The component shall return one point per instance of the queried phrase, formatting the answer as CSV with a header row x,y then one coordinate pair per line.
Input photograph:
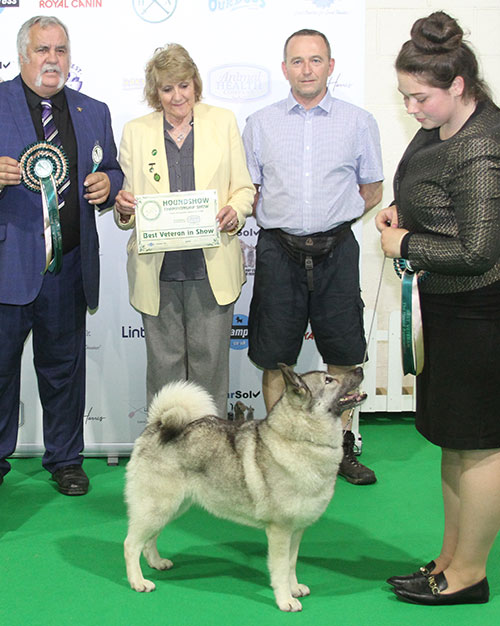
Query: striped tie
x,y
51,134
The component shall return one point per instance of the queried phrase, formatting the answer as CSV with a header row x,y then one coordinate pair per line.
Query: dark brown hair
x,y
308,32
438,54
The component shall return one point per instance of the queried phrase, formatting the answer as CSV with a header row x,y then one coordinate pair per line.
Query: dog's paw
x,y
161,564
290,605
299,591
154,559
143,586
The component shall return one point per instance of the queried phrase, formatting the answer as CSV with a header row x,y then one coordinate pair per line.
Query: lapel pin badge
x,y
97,155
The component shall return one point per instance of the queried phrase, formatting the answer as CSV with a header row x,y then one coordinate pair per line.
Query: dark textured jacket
x,y
448,197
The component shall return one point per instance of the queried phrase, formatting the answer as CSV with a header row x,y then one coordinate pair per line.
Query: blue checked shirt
x,y
309,163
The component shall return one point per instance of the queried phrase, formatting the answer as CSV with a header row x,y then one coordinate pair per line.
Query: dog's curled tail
x,y
177,404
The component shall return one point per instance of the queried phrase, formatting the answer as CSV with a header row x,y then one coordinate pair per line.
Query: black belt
x,y
311,250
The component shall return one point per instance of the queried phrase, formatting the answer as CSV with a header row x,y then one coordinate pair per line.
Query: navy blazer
x,y
22,245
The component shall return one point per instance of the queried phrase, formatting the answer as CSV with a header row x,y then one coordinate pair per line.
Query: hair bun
x,y
436,33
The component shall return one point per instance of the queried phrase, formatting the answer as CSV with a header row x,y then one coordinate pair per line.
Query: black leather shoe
x,y
71,480
431,594
423,572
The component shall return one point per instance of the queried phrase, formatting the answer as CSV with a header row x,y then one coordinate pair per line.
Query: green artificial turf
x,y
61,558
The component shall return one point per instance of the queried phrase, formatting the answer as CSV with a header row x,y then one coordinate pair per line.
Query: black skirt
x,y
458,390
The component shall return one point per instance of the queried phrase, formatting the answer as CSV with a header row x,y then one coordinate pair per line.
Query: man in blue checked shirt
x,y
317,167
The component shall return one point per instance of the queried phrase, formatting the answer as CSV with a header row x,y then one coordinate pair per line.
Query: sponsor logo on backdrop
x,y
239,332
335,81
4,65
70,4
239,82
93,416
233,5
243,395
88,344
337,7
246,412
9,4
324,3
309,335
154,11
74,78
140,414
131,332
248,251
131,84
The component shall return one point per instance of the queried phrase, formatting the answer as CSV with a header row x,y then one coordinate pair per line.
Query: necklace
x,y
184,131
183,134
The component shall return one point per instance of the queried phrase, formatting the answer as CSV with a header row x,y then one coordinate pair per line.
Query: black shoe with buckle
x,y
350,468
423,572
429,592
71,480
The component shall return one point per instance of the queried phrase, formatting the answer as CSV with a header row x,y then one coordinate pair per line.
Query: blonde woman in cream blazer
x,y
185,340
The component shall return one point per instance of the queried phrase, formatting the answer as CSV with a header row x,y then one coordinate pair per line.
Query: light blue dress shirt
x,y
309,163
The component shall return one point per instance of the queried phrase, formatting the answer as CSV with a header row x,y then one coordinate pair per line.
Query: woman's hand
x,y
227,219
391,236
125,204
390,240
387,218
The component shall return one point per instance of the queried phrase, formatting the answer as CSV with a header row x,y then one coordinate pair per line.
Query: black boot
x,y
350,469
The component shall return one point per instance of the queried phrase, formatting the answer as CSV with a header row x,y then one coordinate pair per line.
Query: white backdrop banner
x,y
238,47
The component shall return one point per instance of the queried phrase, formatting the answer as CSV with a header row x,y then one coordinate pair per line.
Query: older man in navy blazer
x,y
51,300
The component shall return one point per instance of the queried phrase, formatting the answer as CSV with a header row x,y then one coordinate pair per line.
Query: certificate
x,y
183,220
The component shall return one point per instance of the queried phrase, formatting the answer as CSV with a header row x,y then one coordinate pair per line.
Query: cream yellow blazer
x,y
219,163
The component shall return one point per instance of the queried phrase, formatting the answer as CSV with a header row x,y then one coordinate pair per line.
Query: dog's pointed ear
x,y
293,381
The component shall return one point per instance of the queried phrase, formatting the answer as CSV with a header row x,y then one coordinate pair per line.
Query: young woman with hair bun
x,y
445,222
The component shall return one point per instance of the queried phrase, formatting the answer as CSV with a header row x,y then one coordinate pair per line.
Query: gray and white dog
x,y
277,473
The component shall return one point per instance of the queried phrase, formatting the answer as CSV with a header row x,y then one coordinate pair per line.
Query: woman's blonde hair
x,y
174,65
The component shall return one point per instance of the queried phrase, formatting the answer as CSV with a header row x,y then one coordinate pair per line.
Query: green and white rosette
x,y
412,339
44,167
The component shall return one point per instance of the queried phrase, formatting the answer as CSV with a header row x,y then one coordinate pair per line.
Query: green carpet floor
x,y
61,558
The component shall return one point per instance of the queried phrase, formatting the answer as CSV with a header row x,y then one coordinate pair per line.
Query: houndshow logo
x,y
155,11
